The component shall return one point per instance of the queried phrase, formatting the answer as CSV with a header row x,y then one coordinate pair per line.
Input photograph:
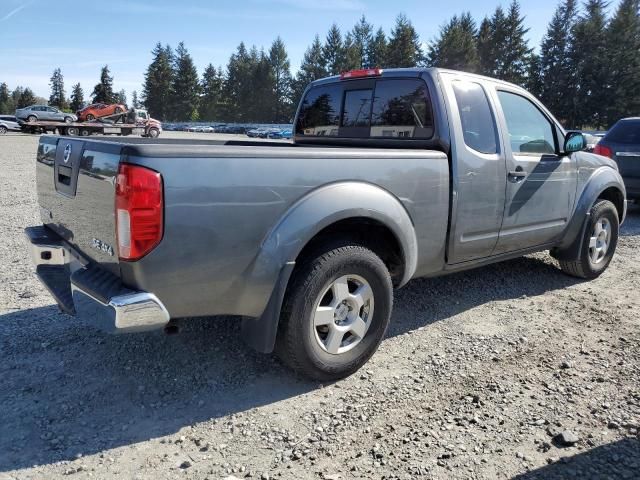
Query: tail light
x,y
603,150
139,211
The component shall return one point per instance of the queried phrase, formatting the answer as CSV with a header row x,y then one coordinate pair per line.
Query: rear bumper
x,y
84,289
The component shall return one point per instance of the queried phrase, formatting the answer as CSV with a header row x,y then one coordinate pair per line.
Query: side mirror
x,y
574,142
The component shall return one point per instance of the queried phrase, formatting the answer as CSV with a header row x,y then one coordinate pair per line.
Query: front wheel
x,y
153,133
599,242
3,129
90,118
31,118
335,313
68,119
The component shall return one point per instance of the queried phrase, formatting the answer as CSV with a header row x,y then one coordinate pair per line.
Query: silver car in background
x,y
36,113
8,123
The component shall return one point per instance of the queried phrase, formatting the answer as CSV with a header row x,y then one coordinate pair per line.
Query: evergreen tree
x,y
15,96
27,98
5,99
262,106
185,87
156,90
456,45
377,52
558,80
623,49
237,84
362,35
77,98
533,82
351,59
135,102
404,45
486,43
103,91
513,50
589,36
58,95
312,68
281,78
121,97
211,87
333,51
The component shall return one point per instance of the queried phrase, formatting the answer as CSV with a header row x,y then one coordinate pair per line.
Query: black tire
x,y
298,344
85,132
117,110
90,118
153,133
68,119
32,118
585,267
3,129
73,131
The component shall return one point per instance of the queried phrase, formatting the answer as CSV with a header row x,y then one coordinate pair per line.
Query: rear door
x,y
541,184
479,171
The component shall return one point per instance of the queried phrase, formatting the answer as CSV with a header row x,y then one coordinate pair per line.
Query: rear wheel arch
x,y
322,216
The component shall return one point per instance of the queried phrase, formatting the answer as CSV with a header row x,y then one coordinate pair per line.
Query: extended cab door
x,y
541,183
478,169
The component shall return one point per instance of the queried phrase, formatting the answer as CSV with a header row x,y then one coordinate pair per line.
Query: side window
x,y
478,126
401,109
357,108
320,111
530,132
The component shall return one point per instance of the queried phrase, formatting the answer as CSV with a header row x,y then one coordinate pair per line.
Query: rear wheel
x,y
73,131
335,312
31,118
85,132
90,118
3,129
68,119
599,243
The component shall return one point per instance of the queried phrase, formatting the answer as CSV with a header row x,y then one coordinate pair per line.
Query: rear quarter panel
x,y
219,211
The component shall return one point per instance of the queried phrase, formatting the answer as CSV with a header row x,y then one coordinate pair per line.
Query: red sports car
x,y
98,110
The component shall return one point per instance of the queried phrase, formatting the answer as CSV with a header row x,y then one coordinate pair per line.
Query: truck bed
x,y
221,201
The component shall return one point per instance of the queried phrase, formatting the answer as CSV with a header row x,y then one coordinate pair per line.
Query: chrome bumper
x,y
76,286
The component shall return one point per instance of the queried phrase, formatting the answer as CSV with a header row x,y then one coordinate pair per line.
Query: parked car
x,y
99,110
44,113
622,144
9,123
430,172
280,134
255,132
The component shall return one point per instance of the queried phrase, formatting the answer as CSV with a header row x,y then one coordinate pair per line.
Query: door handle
x,y
517,175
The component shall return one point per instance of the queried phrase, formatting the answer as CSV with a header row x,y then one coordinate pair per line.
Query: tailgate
x,y
76,193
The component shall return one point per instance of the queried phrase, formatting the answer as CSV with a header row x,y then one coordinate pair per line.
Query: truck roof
x,y
415,72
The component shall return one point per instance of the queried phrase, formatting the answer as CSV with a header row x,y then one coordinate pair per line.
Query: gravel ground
x,y
510,371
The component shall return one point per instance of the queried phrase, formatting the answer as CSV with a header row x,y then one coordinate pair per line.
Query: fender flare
x,y
601,179
317,210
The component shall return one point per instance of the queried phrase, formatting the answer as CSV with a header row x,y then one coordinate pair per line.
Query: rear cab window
x,y
478,125
372,108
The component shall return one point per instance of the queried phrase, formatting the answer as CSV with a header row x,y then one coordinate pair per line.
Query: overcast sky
x,y
37,36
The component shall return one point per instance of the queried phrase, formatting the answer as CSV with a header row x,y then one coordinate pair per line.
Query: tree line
x,y
586,70
102,93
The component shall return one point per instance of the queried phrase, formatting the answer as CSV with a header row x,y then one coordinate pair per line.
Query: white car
x,y
8,123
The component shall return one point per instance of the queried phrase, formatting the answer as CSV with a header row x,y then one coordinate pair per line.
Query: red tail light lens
x,y
365,72
139,211
603,150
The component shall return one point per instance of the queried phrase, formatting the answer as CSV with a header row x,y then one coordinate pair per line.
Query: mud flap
x,y
260,333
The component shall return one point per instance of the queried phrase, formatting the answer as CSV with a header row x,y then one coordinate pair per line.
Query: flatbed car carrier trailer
x,y
137,122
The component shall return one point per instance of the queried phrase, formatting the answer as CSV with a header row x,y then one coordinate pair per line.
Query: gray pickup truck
x,y
392,175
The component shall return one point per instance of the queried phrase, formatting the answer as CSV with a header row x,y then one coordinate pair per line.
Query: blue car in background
x,y
281,134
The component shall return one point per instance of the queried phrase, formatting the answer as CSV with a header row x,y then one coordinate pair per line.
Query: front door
x,y
541,183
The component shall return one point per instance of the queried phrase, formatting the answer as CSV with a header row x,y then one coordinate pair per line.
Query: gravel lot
x,y
510,371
